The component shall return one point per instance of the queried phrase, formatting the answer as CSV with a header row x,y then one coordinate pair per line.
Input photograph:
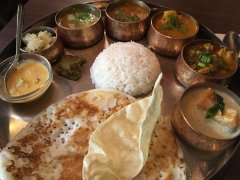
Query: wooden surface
x,y
219,16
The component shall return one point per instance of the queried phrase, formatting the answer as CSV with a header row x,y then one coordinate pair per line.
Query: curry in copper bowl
x,y
80,25
210,122
205,61
170,30
127,20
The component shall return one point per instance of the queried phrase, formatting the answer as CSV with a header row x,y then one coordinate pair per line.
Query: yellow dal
x,y
28,77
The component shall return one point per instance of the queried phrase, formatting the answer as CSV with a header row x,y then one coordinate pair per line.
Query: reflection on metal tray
x,y
14,117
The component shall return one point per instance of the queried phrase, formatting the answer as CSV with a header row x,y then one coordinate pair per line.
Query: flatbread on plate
x,y
165,158
53,145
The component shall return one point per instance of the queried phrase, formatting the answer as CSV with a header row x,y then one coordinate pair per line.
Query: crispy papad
x,y
135,143
54,143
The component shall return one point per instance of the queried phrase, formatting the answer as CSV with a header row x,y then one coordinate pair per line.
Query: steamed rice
x,y
128,67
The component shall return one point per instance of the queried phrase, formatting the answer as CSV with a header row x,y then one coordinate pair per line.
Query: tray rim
x,y
211,35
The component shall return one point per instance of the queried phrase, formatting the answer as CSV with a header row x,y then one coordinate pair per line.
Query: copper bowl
x,y
52,52
126,31
82,37
187,76
164,44
188,133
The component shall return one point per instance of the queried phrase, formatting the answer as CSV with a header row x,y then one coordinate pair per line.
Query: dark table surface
x,y
219,16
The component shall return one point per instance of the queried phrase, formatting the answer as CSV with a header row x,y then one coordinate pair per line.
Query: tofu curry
x,y
214,114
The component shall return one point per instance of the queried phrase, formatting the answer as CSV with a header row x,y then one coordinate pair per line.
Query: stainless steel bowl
x,y
53,52
4,66
193,137
83,37
187,76
164,44
126,31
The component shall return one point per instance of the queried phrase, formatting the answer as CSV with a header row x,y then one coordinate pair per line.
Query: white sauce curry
x,y
205,116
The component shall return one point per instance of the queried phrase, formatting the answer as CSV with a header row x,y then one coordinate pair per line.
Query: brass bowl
x,y
82,37
51,53
126,31
164,44
194,137
187,76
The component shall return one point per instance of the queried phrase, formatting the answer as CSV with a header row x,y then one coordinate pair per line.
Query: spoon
x,y
13,66
232,41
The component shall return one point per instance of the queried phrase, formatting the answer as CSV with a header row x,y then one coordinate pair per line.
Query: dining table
x,y
219,16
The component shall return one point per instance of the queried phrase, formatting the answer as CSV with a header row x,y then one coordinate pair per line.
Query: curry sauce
x,y
176,25
29,76
128,12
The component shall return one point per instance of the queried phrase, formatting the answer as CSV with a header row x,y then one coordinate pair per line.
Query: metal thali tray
x,y
13,117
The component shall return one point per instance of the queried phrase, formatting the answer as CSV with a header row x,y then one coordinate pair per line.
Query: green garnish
x,y
219,105
83,17
174,24
20,82
204,59
125,17
201,64
37,80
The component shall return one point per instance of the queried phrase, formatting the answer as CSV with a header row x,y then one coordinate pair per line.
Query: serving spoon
x,y
13,66
232,41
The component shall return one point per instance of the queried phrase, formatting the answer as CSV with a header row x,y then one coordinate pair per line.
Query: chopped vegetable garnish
x,y
37,80
219,105
201,64
20,82
83,17
124,16
173,23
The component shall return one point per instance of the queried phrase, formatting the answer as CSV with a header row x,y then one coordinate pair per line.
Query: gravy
x,y
128,12
29,76
189,30
196,116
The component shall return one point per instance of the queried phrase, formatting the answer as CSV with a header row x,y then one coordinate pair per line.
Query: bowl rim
x,y
40,28
72,6
215,86
35,93
127,1
169,37
181,55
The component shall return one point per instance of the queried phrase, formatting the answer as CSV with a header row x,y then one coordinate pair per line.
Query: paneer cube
x,y
207,100
229,118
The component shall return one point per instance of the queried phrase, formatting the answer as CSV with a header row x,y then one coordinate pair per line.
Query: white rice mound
x,y
126,66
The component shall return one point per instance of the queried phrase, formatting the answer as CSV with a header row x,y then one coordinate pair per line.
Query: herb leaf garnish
x,y
124,16
83,17
219,105
204,59
20,82
174,24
